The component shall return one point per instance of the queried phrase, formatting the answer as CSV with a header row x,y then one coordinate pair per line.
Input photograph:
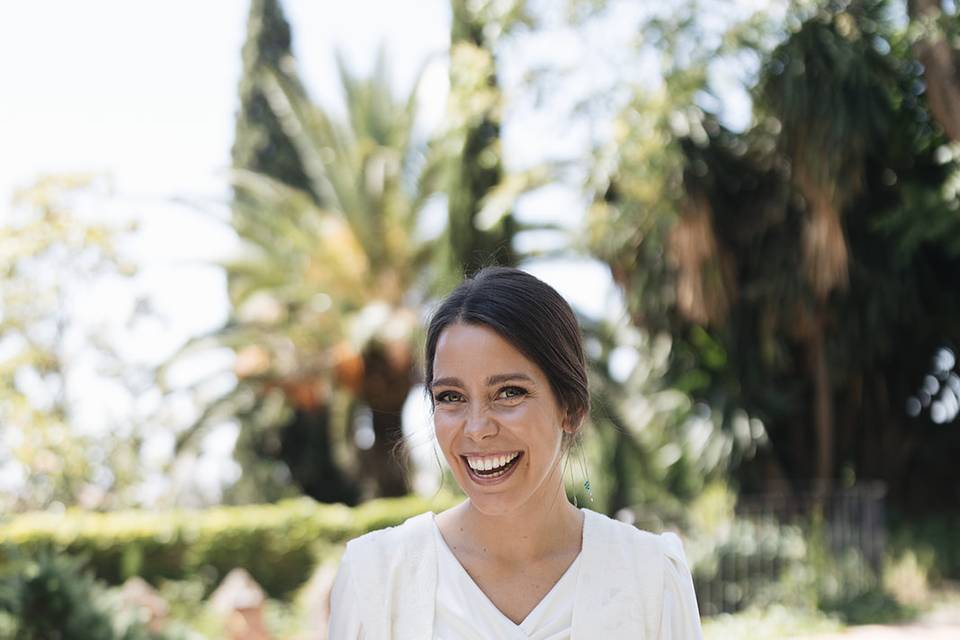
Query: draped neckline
x,y
570,573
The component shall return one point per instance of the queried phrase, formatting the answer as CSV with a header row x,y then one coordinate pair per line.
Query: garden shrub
x,y
934,541
279,544
742,563
51,597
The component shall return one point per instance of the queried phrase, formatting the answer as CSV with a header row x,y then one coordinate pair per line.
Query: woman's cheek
x,y
506,409
518,413
443,428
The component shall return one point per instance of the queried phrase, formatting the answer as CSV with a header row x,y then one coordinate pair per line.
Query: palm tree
x,y
937,30
325,296
745,268
833,92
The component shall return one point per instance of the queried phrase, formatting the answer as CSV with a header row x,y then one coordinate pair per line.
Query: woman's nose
x,y
479,424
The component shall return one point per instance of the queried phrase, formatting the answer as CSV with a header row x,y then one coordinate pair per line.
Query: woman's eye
x,y
512,392
447,396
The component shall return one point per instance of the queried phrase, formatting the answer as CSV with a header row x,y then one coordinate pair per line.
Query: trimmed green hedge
x,y
279,544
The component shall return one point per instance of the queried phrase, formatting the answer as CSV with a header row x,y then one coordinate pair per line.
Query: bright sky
x,y
146,93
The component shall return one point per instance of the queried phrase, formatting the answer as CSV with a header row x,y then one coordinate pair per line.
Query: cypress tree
x,y
478,166
260,143
302,442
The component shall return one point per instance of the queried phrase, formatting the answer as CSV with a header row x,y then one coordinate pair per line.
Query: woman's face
x,y
496,419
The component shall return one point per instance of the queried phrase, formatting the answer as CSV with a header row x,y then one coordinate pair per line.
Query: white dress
x,y
461,611
464,612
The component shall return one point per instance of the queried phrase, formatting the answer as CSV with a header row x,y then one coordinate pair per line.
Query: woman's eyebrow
x,y
492,380
504,377
446,382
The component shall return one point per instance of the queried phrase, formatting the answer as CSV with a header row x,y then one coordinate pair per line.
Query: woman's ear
x,y
572,422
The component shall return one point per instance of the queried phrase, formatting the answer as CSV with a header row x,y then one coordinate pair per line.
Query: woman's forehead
x,y
477,350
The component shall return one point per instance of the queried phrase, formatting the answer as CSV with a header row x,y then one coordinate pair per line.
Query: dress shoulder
x,y
641,545
681,615
376,547
652,568
673,548
345,611
378,569
390,536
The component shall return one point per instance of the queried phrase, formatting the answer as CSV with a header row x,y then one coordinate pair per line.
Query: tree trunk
x,y
940,69
388,454
307,450
386,383
822,406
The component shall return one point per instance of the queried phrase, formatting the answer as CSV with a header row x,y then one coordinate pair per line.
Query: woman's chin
x,y
503,503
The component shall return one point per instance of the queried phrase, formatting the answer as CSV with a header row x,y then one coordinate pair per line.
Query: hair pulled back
x,y
529,314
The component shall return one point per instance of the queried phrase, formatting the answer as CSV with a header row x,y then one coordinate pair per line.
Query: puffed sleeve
x,y
681,617
344,605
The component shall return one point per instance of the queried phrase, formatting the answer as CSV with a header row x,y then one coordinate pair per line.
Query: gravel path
x,y
941,622
906,632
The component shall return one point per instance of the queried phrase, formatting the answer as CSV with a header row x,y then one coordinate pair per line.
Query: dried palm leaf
x,y
702,288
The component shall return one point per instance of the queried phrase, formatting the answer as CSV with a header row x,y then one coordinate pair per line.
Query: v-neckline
x,y
521,626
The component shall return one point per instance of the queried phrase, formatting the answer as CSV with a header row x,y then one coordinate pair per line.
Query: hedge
x,y
279,544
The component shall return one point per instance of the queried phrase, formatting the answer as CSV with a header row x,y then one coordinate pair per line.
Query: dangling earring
x,y
583,469
569,471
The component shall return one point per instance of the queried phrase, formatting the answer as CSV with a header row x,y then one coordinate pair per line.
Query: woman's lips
x,y
488,481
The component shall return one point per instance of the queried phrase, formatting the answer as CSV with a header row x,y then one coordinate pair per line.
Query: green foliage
x,y
833,88
933,538
632,443
278,544
334,263
759,565
325,293
260,143
481,225
843,584
739,246
49,252
752,561
50,597
939,208
738,562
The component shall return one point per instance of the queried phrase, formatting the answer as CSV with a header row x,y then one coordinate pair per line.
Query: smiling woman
x,y
507,380
497,421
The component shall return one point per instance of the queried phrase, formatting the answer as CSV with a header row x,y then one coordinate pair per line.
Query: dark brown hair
x,y
529,314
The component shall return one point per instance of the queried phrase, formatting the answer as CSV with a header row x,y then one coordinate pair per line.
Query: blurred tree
x,y
260,144
632,442
833,92
50,258
935,35
325,357
326,298
302,449
802,268
481,225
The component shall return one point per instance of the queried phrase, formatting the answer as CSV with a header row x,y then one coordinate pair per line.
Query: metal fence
x,y
842,534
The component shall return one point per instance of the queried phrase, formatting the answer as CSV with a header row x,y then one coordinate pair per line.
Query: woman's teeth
x,y
492,465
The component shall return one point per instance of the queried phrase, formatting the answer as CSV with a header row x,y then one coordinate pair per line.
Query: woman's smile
x,y
488,470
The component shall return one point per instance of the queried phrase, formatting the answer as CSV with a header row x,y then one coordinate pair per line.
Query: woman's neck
x,y
548,525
